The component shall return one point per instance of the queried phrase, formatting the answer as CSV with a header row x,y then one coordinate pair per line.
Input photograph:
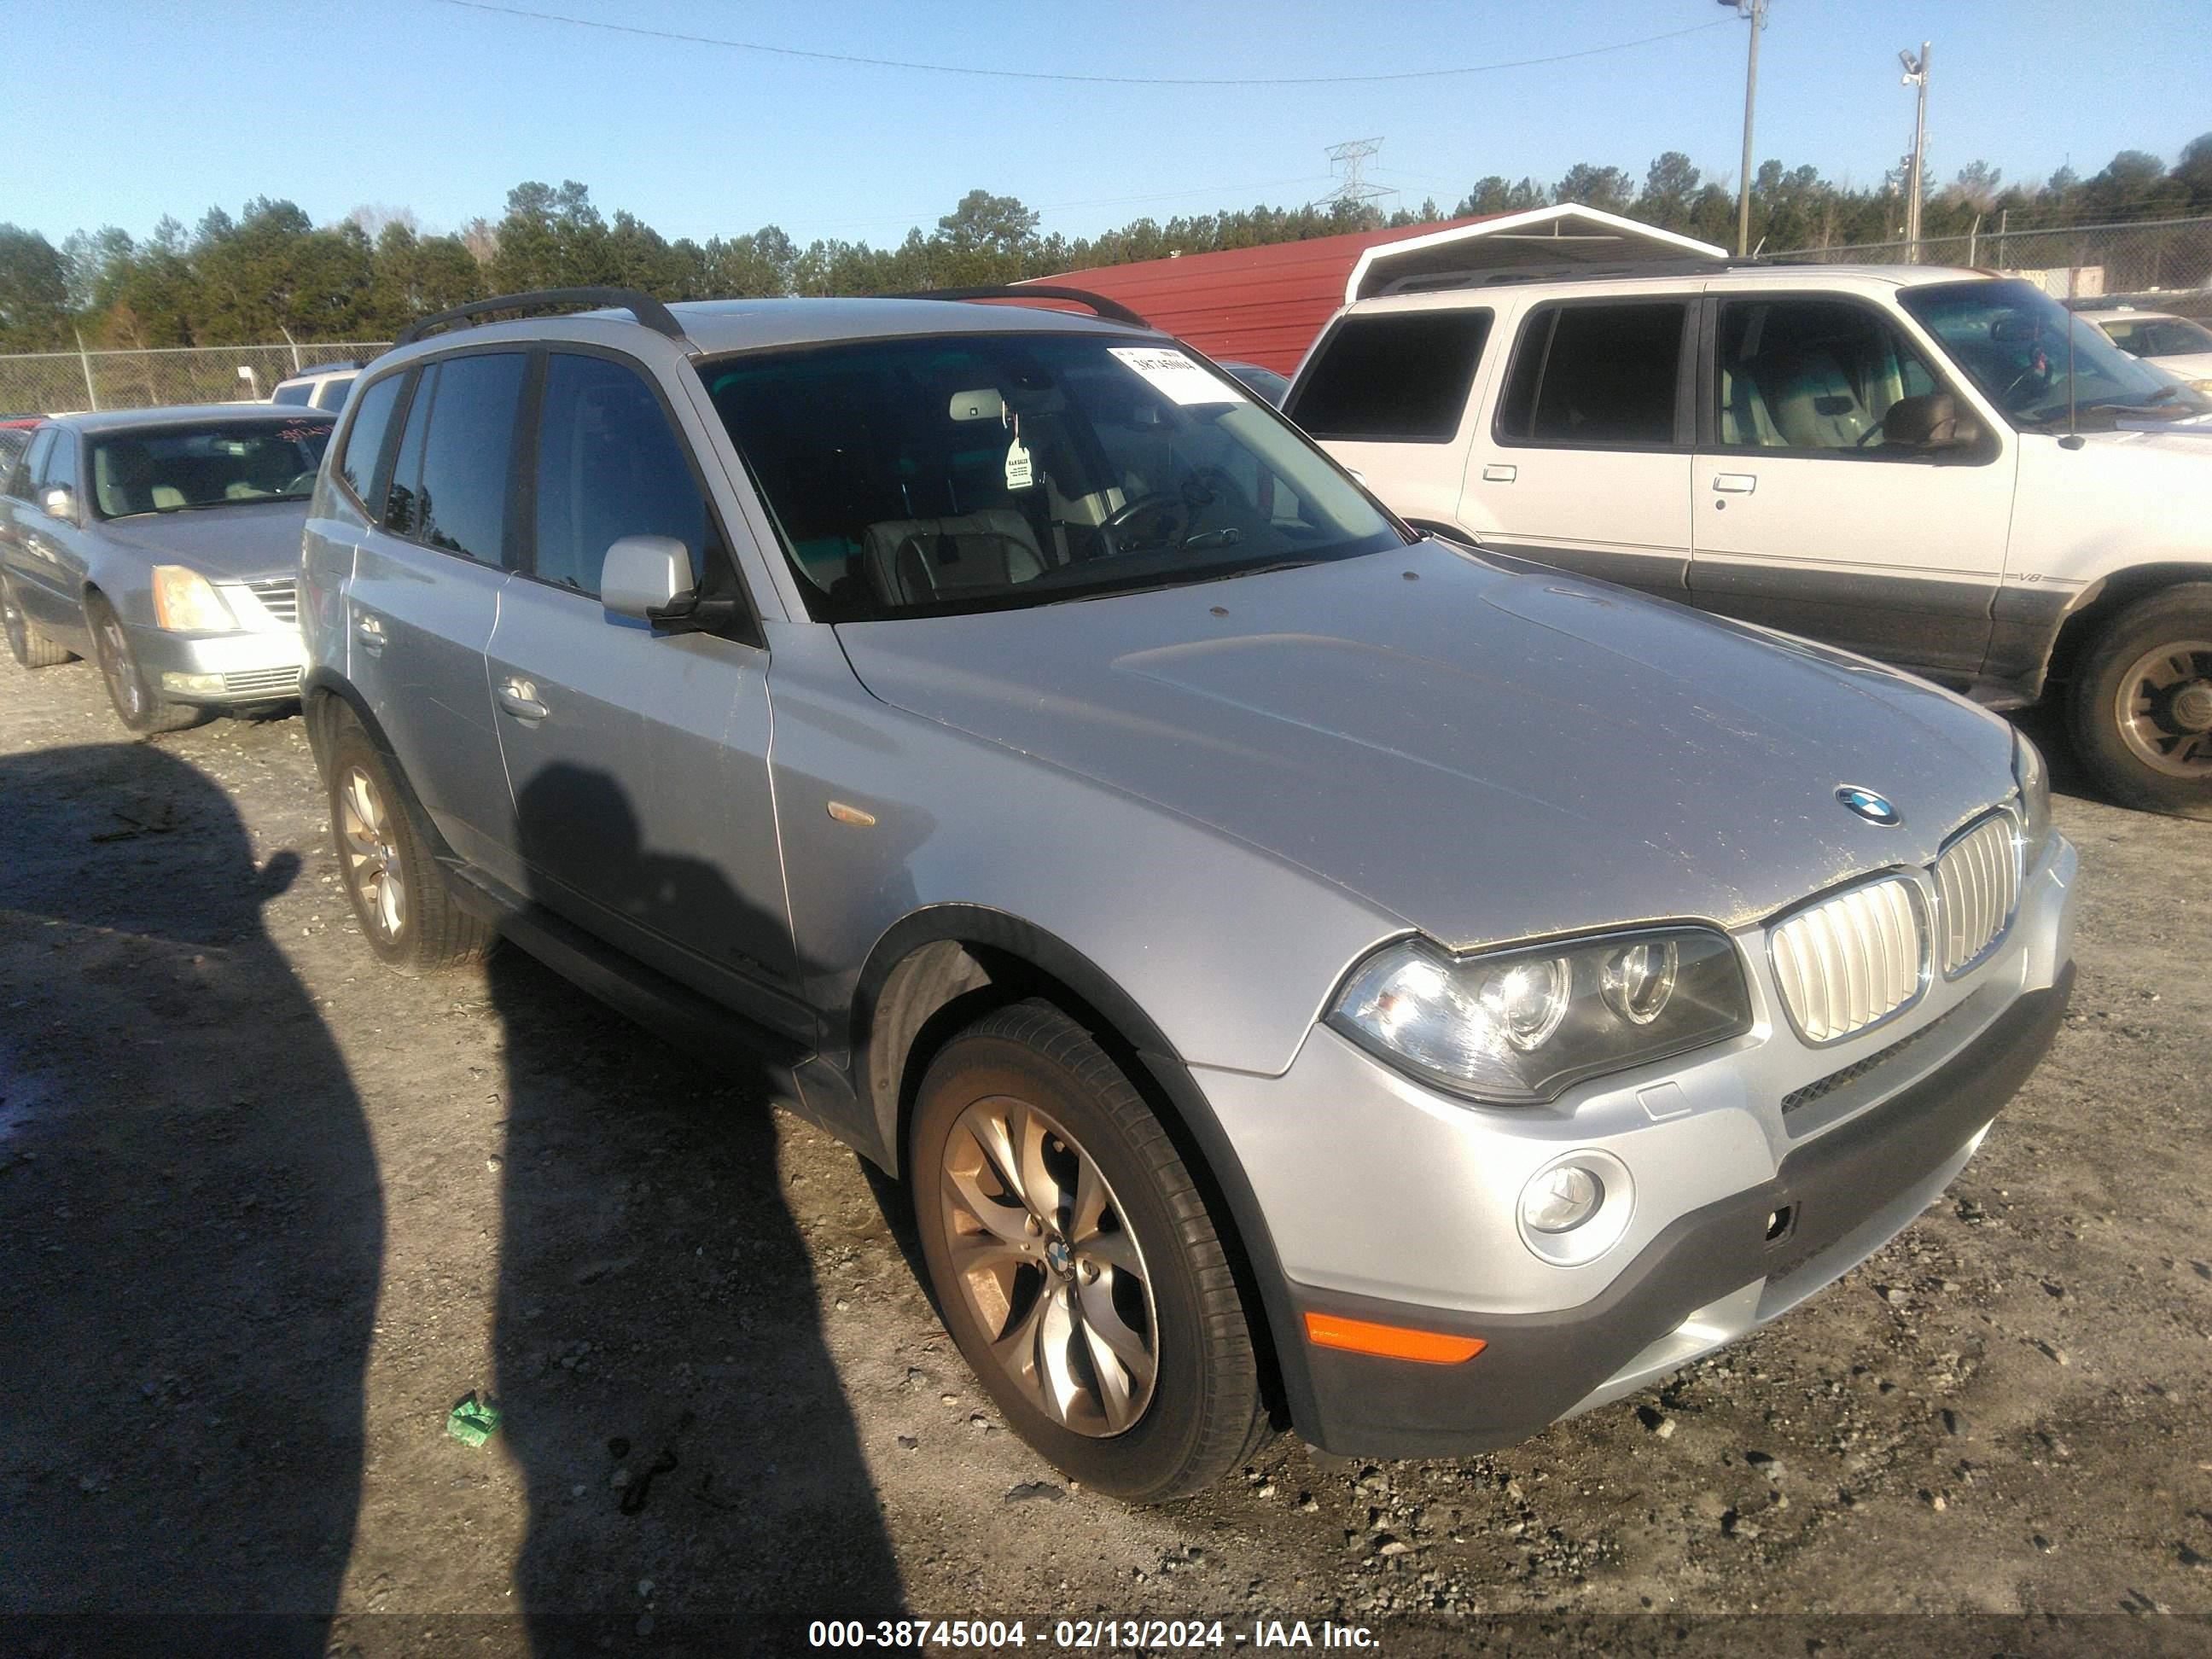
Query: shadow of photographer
x,y
194,1222
667,1388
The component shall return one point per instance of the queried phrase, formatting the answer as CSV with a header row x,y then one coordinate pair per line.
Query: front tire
x,y
136,704
1075,1263
2141,703
397,891
29,647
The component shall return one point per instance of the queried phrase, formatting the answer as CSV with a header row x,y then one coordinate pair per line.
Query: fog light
x,y
1561,1198
191,681
1576,1207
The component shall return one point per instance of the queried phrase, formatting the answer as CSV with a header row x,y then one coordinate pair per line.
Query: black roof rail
x,y
1112,310
643,306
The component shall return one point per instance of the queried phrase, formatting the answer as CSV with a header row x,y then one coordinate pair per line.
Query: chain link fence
x,y
53,382
2169,260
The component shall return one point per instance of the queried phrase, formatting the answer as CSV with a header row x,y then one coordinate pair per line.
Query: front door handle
x,y
370,632
1735,483
519,699
1498,472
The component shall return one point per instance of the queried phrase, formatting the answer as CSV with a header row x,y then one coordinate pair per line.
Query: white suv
x,y
1914,463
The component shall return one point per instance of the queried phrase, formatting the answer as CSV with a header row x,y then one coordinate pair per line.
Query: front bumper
x,y
1388,1203
234,670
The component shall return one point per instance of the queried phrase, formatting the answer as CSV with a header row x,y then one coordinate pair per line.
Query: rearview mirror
x,y
645,575
60,503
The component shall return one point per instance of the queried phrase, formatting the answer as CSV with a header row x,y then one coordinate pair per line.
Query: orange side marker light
x,y
1390,1342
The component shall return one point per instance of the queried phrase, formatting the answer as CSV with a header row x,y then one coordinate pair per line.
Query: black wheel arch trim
x,y
1162,1074
321,683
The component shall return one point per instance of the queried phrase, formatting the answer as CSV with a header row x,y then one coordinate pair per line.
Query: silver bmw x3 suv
x,y
1310,975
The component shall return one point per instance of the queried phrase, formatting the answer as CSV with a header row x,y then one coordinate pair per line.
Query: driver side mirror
x,y
646,579
60,503
1928,422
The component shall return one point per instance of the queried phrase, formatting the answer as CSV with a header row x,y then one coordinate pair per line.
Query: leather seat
x,y
1813,403
916,561
122,478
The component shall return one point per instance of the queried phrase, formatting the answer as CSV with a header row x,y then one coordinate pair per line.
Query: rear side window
x,y
290,394
449,490
1386,378
364,444
332,393
609,465
1604,375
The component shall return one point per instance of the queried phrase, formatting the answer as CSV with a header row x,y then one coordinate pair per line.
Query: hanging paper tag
x,y
1177,377
1019,473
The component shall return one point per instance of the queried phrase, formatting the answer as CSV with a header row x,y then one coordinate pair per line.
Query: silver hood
x,y
252,540
1490,754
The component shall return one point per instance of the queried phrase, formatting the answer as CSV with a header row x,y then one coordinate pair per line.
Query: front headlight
x,y
1514,1028
185,602
2034,779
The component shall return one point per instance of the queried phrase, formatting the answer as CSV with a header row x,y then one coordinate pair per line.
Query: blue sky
x,y
154,105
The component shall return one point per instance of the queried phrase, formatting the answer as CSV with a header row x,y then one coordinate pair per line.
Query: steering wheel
x,y
1177,519
1874,435
301,482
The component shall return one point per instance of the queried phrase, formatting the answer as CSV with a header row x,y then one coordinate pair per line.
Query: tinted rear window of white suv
x,y
1398,377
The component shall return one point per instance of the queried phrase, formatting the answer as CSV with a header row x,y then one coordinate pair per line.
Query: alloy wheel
x,y
1046,1265
12,622
117,668
372,866
2163,708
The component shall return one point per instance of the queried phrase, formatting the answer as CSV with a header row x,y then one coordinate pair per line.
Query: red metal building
x,y
1265,305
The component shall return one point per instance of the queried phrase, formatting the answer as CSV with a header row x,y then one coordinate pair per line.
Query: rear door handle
x,y
370,633
1735,483
519,699
1498,472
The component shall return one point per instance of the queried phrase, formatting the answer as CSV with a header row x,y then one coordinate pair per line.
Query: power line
x,y
1086,80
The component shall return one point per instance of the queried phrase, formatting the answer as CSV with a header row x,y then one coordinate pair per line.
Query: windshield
x,y
947,474
2157,337
173,469
2012,339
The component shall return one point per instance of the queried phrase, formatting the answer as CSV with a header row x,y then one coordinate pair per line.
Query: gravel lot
x,y
270,1210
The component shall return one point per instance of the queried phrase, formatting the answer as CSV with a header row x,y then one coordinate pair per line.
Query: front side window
x,y
983,471
1603,376
216,464
449,487
609,465
59,471
1812,374
24,485
2040,364
1392,377
364,441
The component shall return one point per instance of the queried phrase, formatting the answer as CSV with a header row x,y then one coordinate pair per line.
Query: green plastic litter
x,y
473,1421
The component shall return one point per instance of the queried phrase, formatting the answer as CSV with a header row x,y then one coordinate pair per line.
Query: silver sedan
x,y
164,544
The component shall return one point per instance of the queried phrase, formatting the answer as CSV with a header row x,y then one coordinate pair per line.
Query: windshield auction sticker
x,y
1176,377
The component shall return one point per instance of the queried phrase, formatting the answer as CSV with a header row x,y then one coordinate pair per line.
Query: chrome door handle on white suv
x,y
370,632
1735,483
519,699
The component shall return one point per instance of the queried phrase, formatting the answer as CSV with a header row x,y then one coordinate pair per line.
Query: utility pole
x,y
1916,74
1755,12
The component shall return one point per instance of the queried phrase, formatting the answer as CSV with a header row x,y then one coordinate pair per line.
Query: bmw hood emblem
x,y
1873,807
